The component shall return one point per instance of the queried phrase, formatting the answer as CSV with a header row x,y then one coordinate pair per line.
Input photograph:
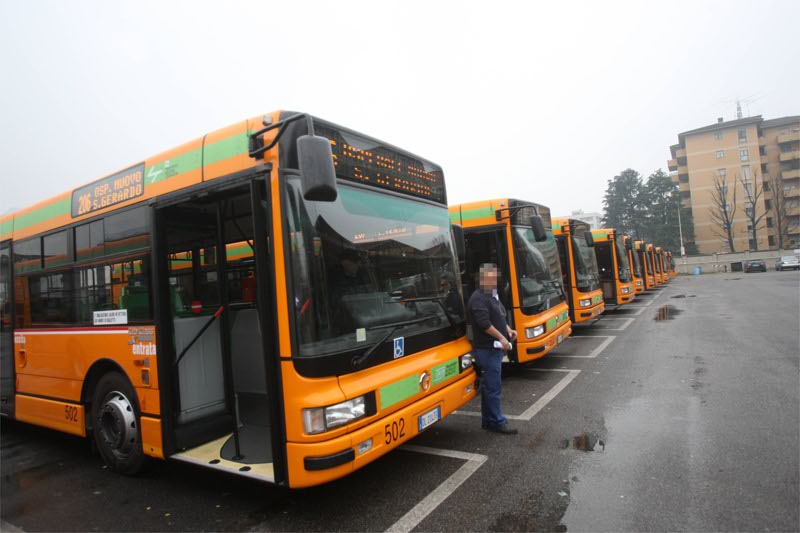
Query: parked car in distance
x,y
787,262
754,265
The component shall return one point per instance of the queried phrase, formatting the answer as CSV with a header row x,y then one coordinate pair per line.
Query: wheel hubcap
x,y
116,422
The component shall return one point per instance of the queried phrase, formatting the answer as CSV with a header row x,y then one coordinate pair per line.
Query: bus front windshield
x,y
637,266
367,262
587,277
622,260
657,262
538,270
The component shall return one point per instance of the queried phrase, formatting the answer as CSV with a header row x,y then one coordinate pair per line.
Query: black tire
x,y
116,424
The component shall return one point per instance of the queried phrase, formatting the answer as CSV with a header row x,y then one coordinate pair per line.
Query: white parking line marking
x,y
596,351
649,301
417,514
627,322
638,308
531,411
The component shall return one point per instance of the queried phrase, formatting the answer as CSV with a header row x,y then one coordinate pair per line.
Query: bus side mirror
x,y
628,245
461,247
537,225
587,236
318,174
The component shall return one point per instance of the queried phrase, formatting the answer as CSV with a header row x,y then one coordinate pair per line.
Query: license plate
x,y
560,338
429,418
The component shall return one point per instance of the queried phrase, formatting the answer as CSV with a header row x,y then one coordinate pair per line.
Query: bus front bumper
x,y
528,350
315,463
588,313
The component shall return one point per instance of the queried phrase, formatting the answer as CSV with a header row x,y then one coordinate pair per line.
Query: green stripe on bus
x,y
226,148
186,162
43,214
445,371
6,227
551,324
399,391
455,218
480,212
556,226
563,316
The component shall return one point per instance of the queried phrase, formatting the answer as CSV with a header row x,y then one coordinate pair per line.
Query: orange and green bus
x,y
671,266
330,331
516,236
637,270
579,269
661,265
616,279
646,262
651,251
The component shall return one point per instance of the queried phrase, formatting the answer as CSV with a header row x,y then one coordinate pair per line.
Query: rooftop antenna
x,y
738,109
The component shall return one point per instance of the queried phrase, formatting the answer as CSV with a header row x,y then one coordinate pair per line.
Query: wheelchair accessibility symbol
x,y
399,347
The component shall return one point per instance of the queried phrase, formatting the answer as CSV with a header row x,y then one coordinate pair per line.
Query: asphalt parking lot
x,y
680,411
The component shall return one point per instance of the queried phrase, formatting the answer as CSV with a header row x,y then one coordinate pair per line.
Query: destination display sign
x,y
108,191
368,161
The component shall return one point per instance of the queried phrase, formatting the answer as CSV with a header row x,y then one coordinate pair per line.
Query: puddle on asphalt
x,y
666,312
731,279
587,442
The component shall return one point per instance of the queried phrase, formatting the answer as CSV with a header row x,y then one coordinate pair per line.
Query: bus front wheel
x,y
116,424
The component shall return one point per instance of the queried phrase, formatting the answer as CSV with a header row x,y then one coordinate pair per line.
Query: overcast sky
x,y
543,102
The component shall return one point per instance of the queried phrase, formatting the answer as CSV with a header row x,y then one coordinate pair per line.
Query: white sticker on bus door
x,y
110,318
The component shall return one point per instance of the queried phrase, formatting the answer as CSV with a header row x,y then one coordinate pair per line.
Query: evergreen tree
x,y
622,204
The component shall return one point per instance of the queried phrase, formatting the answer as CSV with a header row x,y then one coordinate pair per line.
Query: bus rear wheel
x,y
116,424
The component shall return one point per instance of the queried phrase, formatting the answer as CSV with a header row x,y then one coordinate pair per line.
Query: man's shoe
x,y
504,429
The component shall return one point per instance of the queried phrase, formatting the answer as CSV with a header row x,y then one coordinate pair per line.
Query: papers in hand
x,y
498,345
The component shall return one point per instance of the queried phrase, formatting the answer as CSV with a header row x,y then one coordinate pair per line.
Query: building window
x,y
769,222
723,172
720,154
742,135
771,240
718,135
752,244
743,155
747,174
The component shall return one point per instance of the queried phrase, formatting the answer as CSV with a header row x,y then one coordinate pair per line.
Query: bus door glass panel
x,y
563,257
604,252
487,247
194,298
6,334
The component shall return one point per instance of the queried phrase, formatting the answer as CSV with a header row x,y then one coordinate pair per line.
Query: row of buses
x,y
280,299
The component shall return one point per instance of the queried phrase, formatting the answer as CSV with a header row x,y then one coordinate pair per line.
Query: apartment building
x,y
740,153
595,220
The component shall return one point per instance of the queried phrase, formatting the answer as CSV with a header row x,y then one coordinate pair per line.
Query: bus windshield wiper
x,y
438,299
359,360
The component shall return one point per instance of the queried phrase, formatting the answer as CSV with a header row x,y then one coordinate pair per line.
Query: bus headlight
x,y
585,303
466,361
319,419
624,290
638,283
650,279
534,331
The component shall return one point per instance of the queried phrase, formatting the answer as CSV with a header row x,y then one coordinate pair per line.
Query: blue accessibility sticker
x,y
399,347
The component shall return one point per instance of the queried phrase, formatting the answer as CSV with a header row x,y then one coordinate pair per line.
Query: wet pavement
x,y
680,411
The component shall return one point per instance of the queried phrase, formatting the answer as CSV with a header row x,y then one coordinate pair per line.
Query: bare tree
x,y
753,187
783,223
723,208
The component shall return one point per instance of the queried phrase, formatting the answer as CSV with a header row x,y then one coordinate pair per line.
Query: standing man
x,y
488,319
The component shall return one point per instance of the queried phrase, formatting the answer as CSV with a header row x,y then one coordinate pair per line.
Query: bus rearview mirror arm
x,y
314,156
589,238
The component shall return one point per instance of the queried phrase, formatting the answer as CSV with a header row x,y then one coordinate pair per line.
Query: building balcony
x,y
789,137
764,159
790,174
680,152
683,170
683,186
788,156
791,193
672,164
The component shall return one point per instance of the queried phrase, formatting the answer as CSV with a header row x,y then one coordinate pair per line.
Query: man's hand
x,y
506,345
512,334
